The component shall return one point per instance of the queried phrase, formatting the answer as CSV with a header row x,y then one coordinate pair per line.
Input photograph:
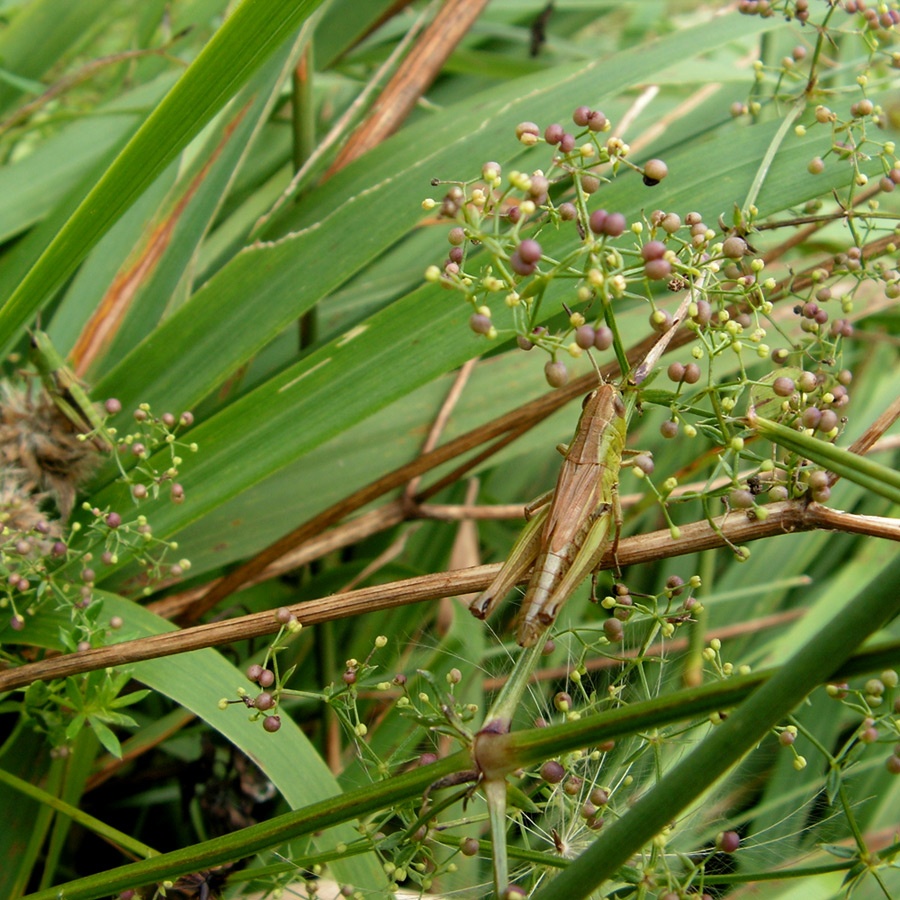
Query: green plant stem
x,y
865,472
371,798
495,795
247,841
817,660
504,707
113,835
27,858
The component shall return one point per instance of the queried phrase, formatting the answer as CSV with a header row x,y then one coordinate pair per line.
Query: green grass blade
x,y
861,470
197,681
247,39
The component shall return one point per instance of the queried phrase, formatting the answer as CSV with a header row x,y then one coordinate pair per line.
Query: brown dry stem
x,y
734,527
507,427
412,78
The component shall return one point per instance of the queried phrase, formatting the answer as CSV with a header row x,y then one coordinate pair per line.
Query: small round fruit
x,y
597,220
654,172
272,724
613,630
658,269
783,386
734,247
480,324
553,772
614,224
584,336
529,251
556,374
653,250
728,841
603,338
581,115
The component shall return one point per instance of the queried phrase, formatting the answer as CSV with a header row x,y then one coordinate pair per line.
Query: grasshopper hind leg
x,y
514,569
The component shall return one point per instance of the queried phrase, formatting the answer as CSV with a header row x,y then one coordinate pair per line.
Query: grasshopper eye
x,y
587,398
619,406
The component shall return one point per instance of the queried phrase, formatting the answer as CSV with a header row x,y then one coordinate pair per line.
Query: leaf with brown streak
x,y
102,326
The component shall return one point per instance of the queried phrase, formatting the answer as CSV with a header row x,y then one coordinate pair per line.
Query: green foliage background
x,y
192,146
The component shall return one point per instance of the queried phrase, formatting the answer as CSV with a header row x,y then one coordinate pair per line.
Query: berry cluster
x,y
265,704
492,214
42,558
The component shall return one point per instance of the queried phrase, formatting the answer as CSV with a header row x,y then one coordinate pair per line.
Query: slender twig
x,y
412,78
735,527
86,72
340,126
440,423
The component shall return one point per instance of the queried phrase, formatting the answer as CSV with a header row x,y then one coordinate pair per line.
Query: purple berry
x,y
728,841
783,386
519,266
480,324
272,724
556,374
113,520
596,121
653,250
254,671
529,251
112,406
265,700
658,269
613,630
598,217
581,116
614,224
584,336
603,338
553,772
553,134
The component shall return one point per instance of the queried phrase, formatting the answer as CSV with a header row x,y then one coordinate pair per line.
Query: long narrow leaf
x,y
246,40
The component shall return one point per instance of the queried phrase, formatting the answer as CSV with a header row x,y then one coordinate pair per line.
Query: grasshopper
x,y
572,531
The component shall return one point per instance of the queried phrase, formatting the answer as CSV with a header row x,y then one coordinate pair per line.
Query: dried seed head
x,y
41,455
